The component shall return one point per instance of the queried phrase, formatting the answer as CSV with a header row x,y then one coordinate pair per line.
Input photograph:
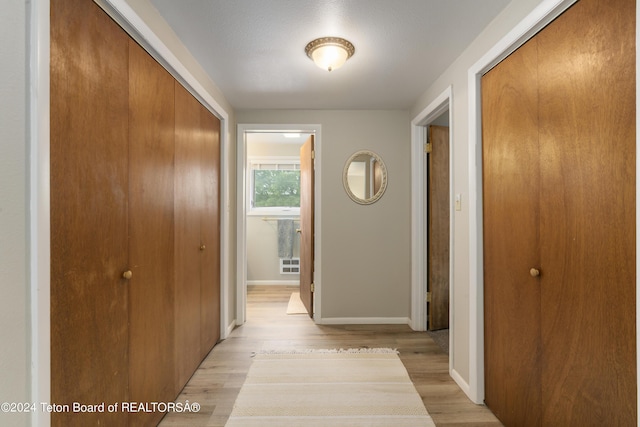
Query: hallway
x,y
217,381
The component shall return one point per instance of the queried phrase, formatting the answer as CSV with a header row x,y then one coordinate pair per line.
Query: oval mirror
x,y
365,177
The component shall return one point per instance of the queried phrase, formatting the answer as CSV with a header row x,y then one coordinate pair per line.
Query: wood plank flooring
x,y
216,383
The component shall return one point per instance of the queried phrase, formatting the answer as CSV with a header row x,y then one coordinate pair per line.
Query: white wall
x,y
263,263
14,278
365,255
152,18
457,75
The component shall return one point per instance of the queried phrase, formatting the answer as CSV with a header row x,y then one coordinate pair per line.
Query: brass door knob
x,y
203,247
298,230
127,275
534,272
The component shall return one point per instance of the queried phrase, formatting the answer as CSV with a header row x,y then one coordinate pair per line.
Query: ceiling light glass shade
x,y
329,53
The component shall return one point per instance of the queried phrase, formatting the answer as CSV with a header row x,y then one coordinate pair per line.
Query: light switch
x,y
458,202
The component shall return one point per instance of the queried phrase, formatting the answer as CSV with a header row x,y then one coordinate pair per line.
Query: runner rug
x,y
295,305
337,388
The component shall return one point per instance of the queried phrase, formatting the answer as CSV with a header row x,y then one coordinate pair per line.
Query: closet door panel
x,y
511,241
151,236
587,131
210,229
189,204
89,105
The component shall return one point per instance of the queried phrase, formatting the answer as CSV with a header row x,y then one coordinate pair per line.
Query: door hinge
x,y
428,298
313,287
313,154
428,147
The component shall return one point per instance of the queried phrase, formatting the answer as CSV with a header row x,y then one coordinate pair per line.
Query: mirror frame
x,y
383,184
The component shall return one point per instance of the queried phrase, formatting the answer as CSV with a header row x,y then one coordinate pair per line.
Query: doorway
x,y
438,230
437,113
269,226
438,216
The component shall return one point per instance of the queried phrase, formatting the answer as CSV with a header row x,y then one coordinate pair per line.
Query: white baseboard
x,y
363,321
273,282
462,384
229,329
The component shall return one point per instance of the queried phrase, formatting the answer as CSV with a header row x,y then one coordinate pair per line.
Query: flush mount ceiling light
x,y
329,53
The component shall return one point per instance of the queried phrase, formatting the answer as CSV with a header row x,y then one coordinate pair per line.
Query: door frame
x,y
419,229
541,16
241,211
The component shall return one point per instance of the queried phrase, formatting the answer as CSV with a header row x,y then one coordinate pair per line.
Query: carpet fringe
x,y
328,351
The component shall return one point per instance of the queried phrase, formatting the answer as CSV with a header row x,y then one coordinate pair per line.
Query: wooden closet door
x,y
584,98
511,203
89,192
189,204
587,133
151,235
210,232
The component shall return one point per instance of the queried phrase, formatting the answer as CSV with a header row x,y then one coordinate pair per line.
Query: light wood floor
x,y
217,381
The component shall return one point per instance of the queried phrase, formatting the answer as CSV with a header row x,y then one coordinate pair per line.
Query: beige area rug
x,y
320,388
295,304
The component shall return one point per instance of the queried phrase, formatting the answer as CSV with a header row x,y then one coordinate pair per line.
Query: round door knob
x,y
127,274
298,230
203,247
534,272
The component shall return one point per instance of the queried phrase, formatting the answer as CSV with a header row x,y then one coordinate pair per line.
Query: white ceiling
x,y
254,49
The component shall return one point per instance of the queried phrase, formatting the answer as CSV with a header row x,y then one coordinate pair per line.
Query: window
x,y
274,186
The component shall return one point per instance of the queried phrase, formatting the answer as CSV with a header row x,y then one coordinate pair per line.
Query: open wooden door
x,y
438,232
306,224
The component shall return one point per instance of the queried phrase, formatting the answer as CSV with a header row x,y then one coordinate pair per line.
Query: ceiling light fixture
x,y
329,53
